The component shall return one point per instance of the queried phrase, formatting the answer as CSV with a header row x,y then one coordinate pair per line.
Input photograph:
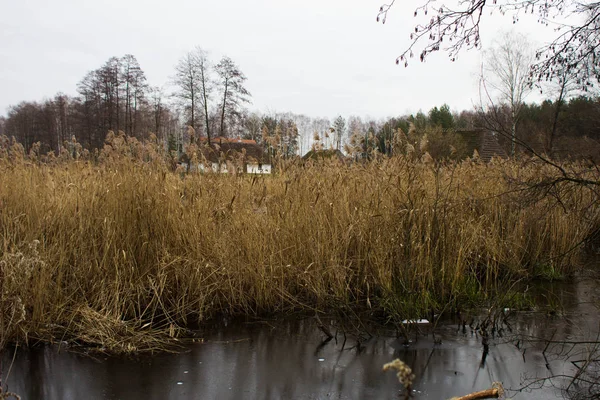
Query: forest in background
x,y
212,99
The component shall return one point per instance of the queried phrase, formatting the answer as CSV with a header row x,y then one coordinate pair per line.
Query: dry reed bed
x,y
125,254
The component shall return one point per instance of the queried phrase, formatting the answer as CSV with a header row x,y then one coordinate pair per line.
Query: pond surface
x,y
290,360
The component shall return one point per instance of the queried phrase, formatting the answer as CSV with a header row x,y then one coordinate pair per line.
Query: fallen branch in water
x,y
495,392
323,328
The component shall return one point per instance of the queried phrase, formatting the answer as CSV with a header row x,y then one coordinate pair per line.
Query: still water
x,y
290,360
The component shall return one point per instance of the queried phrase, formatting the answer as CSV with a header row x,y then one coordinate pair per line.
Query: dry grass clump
x,y
404,374
110,333
125,248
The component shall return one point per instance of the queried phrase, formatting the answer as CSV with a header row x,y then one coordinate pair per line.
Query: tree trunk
x,y
205,97
223,109
193,98
559,104
513,134
127,104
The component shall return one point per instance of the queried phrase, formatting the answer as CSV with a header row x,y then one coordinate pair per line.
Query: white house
x,y
234,155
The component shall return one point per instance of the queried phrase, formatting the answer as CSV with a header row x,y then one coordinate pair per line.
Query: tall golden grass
x,y
124,253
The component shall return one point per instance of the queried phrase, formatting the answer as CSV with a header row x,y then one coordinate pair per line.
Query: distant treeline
x,y
117,97
567,130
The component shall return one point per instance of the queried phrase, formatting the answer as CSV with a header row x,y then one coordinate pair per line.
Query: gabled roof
x,y
233,149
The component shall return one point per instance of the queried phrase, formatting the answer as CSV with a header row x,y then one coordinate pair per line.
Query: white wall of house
x,y
227,167
222,168
214,167
258,168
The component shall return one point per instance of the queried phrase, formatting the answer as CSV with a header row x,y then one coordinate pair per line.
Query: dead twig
x,y
323,328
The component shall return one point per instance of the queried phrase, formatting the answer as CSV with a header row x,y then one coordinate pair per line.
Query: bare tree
x,y
108,75
253,125
94,112
134,79
232,91
303,123
321,127
356,137
340,128
62,104
158,110
103,91
455,26
505,74
206,85
192,78
188,82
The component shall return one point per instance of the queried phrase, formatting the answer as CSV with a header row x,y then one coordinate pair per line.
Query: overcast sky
x,y
320,58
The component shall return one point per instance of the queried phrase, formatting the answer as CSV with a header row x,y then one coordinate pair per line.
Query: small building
x,y
233,155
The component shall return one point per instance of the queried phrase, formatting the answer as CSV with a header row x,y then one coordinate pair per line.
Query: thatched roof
x,y
323,155
222,149
484,141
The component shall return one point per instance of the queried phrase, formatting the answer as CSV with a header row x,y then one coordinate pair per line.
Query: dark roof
x,y
484,141
224,150
220,139
323,154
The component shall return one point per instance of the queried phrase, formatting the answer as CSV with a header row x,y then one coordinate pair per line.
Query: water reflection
x,y
289,360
